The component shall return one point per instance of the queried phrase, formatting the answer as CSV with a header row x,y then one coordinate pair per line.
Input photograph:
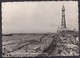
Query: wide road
x,y
52,49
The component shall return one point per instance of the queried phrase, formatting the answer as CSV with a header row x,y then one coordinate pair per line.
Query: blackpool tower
x,y
63,22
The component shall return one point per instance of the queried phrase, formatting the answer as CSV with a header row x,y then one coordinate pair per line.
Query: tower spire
x,y
63,23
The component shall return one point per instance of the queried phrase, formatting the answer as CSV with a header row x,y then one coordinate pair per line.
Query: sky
x,y
22,17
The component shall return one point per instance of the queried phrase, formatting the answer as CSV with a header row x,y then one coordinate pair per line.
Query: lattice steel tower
x,y
63,23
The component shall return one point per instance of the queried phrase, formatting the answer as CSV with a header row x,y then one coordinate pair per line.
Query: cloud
x,y
37,16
